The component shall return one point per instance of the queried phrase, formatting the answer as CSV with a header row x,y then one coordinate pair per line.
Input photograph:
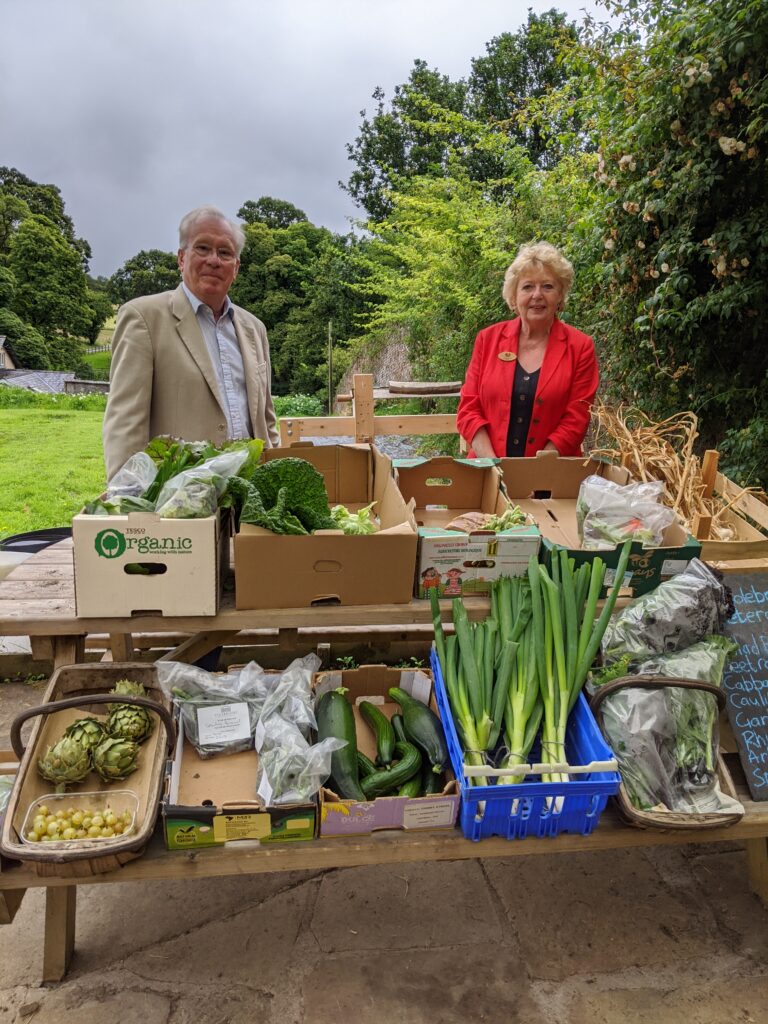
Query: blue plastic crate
x,y
522,809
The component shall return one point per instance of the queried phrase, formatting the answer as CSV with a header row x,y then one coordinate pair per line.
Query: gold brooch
x,y
508,357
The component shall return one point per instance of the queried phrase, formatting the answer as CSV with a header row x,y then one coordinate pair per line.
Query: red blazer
x,y
567,385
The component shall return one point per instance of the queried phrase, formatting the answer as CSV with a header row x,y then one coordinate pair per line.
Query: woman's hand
x,y
481,445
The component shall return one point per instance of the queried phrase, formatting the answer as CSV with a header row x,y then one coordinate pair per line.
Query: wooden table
x,y
37,599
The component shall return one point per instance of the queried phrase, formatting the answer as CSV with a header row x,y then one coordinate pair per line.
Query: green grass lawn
x,y
98,360
51,462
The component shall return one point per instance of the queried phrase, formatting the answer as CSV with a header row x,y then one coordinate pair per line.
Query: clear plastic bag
x,y
290,769
194,690
133,478
665,741
194,493
608,513
680,612
705,661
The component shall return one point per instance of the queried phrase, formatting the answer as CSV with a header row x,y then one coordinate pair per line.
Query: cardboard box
x,y
273,571
454,562
547,487
211,802
183,562
353,818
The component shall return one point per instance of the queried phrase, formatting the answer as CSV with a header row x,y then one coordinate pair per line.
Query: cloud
x,y
142,109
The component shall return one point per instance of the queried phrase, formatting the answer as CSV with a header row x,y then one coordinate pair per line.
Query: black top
x,y
523,391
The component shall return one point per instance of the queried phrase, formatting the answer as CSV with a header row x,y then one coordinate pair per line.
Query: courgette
x,y
431,782
412,787
335,719
383,781
365,765
397,725
422,727
382,730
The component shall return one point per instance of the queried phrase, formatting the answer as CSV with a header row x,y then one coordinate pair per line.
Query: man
x,y
188,362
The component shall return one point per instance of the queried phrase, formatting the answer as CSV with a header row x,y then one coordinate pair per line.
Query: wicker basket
x,y
668,821
73,692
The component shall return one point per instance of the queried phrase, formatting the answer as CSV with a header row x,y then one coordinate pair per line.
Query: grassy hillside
x,y
50,463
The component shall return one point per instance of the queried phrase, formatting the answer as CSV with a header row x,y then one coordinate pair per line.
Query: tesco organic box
x,y
547,487
455,562
139,563
277,571
339,817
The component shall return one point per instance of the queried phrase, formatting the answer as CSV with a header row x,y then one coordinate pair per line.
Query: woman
x,y
531,381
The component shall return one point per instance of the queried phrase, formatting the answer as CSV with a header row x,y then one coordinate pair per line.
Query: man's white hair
x,y
189,220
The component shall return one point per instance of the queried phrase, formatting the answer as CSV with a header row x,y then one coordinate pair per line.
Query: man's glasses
x,y
206,251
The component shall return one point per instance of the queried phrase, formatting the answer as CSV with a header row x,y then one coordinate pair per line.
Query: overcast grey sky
x,y
140,110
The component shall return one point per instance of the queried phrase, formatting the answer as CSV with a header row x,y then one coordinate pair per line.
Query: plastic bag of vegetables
x,y
221,711
608,513
680,612
291,770
194,493
664,735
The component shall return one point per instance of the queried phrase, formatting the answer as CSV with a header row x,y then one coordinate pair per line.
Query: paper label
x,y
610,576
422,813
673,566
265,791
222,723
260,734
227,827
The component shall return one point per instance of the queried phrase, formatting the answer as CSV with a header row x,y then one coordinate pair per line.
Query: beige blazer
x,y
162,380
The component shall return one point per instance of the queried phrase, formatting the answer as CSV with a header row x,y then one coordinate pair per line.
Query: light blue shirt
x,y
224,350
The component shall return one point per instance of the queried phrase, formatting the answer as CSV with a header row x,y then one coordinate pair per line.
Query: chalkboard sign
x,y
746,677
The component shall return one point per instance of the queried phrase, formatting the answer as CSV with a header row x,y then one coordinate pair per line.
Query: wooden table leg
x,y
757,859
121,645
68,650
60,905
199,644
10,901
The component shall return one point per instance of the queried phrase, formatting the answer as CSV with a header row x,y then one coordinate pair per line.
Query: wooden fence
x,y
363,424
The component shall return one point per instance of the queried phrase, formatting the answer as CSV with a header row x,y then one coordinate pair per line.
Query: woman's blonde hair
x,y
537,256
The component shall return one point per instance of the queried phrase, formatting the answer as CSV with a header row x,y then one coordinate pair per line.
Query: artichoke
x,y
127,688
115,759
128,722
65,763
88,732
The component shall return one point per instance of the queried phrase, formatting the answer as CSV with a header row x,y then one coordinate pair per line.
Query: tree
x,y
516,69
681,114
46,201
28,347
7,287
12,213
415,137
101,306
395,142
275,213
50,281
148,272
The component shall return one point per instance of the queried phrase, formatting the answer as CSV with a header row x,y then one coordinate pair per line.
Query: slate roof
x,y
44,381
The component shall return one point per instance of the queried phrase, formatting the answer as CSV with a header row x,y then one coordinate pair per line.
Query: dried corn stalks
x,y
663,450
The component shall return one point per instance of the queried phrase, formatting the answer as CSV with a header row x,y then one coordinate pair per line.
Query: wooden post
x,y
362,408
10,901
122,646
68,650
60,906
709,472
757,860
701,526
